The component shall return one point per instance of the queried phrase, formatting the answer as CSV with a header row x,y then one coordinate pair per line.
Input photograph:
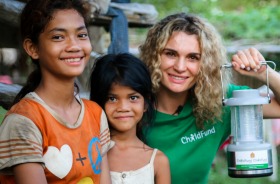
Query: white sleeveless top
x,y
144,175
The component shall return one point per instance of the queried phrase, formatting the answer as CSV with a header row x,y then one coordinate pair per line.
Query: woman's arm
x,y
162,169
29,173
248,62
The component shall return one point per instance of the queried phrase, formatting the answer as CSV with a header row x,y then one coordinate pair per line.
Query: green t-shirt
x,y
190,151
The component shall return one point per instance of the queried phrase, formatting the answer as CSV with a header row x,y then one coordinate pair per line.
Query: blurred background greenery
x,y
2,114
253,20
241,23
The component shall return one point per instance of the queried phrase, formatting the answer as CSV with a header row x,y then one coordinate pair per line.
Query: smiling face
x,y
124,108
64,46
180,62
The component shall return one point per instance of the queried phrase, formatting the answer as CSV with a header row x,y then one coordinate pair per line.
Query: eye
x,y
134,98
83,35
193,57
170,54
111,99
57,37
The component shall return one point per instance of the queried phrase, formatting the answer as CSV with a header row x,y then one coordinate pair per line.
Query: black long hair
x,y
127,70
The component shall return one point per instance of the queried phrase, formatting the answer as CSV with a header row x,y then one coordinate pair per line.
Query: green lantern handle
x,y
226,66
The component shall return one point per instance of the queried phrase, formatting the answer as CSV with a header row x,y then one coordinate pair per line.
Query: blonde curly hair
x,y
207,92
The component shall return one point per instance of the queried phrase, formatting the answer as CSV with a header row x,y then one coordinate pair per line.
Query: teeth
x,y
178,78
72,60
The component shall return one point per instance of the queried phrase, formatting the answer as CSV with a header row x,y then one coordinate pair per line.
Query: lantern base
x,y
250,173
249,160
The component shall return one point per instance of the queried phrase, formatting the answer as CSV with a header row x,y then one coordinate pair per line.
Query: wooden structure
x,y
9,14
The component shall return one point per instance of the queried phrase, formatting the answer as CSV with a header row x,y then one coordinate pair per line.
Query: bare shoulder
x,y
161,158
162,168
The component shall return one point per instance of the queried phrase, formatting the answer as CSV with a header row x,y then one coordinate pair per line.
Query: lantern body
x,y
248,155
247,126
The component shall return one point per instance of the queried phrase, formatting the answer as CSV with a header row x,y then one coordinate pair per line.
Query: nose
x,y
73,45
123,106
180,65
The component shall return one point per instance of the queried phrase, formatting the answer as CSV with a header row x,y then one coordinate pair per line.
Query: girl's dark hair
x,y
33,20
127,70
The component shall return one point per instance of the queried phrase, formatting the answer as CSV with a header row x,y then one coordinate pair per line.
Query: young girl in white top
x,y
121,85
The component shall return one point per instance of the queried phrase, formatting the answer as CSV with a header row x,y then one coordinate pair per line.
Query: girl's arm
x,y
29,173
105,173
247,62
162,169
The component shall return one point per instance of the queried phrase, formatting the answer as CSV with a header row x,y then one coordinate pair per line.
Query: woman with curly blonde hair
x,y
184,54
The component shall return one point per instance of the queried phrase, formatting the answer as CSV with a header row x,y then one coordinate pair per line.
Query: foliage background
x,y
255,20
240,22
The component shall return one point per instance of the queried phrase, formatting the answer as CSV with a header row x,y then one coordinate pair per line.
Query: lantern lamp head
x,y
246,116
